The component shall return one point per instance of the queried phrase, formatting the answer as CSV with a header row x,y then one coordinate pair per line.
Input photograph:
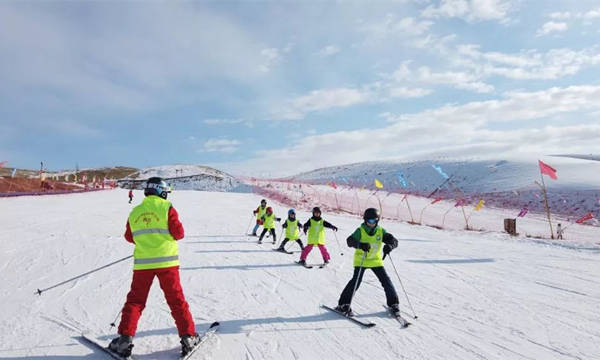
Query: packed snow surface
x,y
477,295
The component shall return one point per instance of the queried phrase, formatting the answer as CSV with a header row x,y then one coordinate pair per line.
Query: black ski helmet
x,y
156,186
263,202
370,214
316,209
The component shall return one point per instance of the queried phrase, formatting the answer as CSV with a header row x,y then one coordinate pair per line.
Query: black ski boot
x,y
122,345
188,343
395,310
345,309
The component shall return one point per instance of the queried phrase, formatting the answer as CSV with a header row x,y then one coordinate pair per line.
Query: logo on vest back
x,y
147,218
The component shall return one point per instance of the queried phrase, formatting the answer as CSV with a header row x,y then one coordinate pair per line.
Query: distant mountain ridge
x,y
501,183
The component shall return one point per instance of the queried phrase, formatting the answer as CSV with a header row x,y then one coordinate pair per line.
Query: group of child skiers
x,y
372,244
154,228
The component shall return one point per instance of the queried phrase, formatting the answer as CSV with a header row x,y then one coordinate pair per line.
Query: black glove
x,y
364,246
334,228
386,250
277,219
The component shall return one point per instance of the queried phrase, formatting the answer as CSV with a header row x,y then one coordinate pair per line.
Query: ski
x,y
322,265
356,321
403,322
93,341
205,336
283,251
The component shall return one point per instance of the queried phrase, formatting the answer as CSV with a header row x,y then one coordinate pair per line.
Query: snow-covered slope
x,y
506,184
187,177
477,295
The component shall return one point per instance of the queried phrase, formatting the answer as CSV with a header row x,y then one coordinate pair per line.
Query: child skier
x,y
154,226
259,213
372,245
269,224
130,195
292,231
315,226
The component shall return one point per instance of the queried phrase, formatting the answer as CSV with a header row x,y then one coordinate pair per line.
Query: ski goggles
x,y
371,221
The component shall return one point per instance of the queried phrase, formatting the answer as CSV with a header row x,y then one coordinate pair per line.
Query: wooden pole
x,y
412,219
546,202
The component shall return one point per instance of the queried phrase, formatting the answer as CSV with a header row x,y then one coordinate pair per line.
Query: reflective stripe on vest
x,y
155,248
316,232
291,231
156,260
150,231
375,255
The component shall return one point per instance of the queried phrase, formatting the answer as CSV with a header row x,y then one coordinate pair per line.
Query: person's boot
x,y
395,310
188,343
345,309
122,345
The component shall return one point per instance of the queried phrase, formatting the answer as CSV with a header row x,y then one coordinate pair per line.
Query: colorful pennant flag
x,y
333,185
523,212
378,184
479,205
401,179
585,218
438,199
460,202
548,170
440,171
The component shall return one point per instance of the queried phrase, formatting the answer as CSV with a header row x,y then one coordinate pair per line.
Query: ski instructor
x,y
154,228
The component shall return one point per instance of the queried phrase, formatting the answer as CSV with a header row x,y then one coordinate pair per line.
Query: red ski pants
x,y
171,287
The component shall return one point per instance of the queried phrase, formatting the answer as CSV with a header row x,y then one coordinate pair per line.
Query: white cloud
x,y
221,145
460,80
453,130
319,100
329,50
560,15
552,26
271,57
390,26
470,10
217,122
526,65
404,92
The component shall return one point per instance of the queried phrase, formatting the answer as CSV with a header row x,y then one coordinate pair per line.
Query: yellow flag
x,y
479,205
378,184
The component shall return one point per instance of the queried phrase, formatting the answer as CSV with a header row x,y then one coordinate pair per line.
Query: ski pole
x,y
249,224
405,294
39,292
113,324
360,269
338,243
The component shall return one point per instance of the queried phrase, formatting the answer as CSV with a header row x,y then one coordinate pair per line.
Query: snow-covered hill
x,y
507,184
478,296
186,177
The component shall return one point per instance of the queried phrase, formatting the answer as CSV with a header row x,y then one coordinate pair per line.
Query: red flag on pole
x,y
587,217
523,212
438,199
548,170
460,202
333,185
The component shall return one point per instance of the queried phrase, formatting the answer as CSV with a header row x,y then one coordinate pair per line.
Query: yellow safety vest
x,y
375,255
261,212
291,231
155,248
316,232
269,221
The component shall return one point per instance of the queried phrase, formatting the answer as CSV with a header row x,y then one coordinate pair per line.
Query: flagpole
x,y
412,219
546,202
465,216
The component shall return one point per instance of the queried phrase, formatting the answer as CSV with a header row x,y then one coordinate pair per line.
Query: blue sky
x,y
275,88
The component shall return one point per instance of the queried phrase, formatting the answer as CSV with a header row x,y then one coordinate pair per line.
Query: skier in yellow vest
x,y
315,226
372,245
292,231
268,220
154,228
259,212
